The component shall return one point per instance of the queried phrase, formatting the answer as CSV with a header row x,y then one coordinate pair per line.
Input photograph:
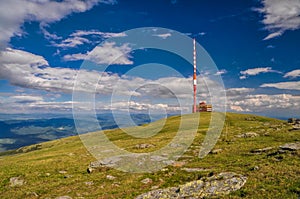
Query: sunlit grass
x,y
277,176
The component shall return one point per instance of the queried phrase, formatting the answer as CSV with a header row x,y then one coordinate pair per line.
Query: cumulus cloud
x,y
283,85
246,100
14,13
107,53
280,16
256,71
264,102
293,74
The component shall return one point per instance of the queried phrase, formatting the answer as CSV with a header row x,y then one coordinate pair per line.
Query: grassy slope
x,y
277,176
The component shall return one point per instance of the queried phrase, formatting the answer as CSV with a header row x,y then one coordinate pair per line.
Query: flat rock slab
x,y
217,185
266,149
291,146
247,135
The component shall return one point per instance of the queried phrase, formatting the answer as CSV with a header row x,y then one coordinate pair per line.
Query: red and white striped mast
x,y
195,79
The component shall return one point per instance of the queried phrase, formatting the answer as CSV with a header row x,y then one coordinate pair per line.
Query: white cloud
x,y
72,42
293,74
78,38
80,33
284,85
233,92
273,35
256,71
280,16
245,100
164,35
270,46
27,98
107,53
221,72
14,13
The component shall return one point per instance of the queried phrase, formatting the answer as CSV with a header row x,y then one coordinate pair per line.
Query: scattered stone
x,y
68,176
63,197
16,181
291,146
110,177
190,170
89,170
62,172
107,162
217,185
146,181
47,174
90,183
247,135
178,163
116,184
250,118
296,127
216,151
154,187
266,149
144,146
255,168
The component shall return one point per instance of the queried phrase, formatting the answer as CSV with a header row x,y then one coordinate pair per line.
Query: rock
x,y
178,163
247,135
107,162
217,185
216,151
146,181
62,172
255,168
110,177
250,118
16,181
47,174
154,187
266,149
144,146
190,170
68,176
291,146
90,183
89,170
63,197
296,127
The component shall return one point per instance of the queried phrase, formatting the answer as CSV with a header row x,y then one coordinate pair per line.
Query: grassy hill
x,y
59,168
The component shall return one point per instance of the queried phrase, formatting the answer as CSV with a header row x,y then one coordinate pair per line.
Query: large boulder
x,y
217,185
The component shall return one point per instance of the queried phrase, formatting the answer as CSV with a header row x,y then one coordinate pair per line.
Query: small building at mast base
x,y
203,107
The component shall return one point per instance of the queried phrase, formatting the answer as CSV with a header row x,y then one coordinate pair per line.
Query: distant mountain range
x,y
31,129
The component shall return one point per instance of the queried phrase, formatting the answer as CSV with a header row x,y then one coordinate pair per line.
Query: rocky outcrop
x,y
217,185
291,146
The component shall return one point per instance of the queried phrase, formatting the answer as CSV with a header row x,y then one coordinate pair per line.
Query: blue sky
x,y
253,43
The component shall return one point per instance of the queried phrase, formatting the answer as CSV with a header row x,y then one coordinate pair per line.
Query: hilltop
x,y
249,145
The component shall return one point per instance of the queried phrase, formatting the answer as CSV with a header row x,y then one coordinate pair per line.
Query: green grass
x,y
277,176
